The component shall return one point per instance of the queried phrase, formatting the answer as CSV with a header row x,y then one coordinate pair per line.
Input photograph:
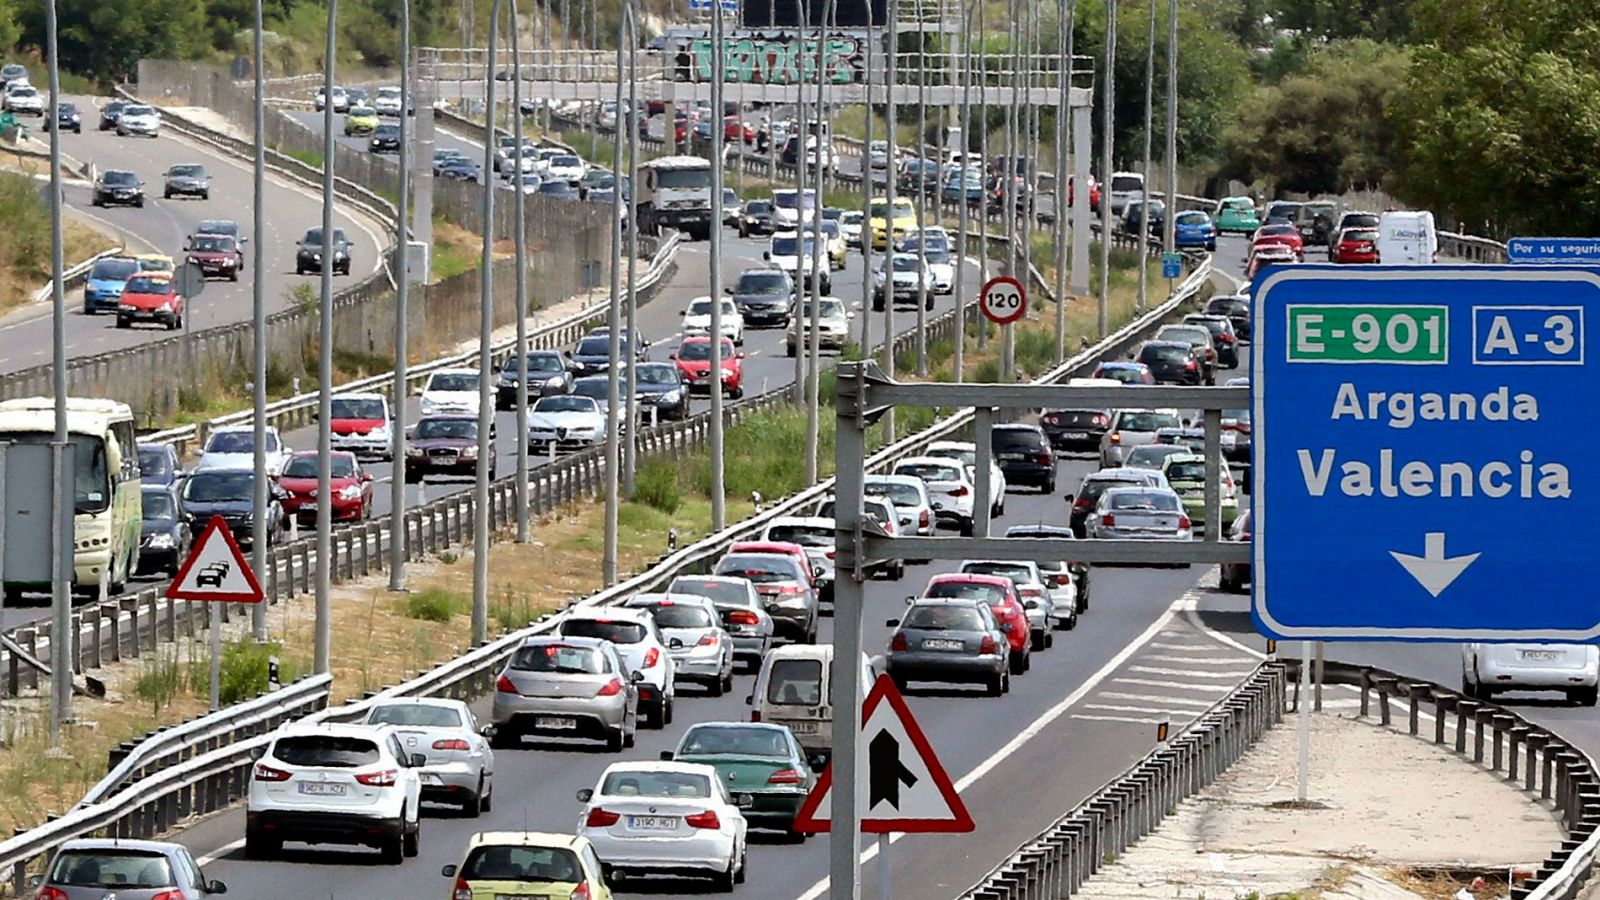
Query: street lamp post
x,y
480,487
324,603
398,535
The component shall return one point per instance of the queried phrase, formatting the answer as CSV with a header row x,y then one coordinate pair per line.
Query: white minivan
x,y
1408,238
795,688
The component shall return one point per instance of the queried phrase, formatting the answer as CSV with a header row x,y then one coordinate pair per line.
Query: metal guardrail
x,y
77,274
1060,859
1471,248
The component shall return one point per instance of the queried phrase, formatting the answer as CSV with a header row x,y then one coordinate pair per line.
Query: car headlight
x,y
350,492
125,307
727,373
193,261
317,257
161,542
672,396
413,451
555,382
471,451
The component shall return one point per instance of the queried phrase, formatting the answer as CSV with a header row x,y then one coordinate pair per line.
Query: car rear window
x,y
1016,439
971,590
327,751
928,472
1094,487
496,863
795,682
1187,471
804,535
942,617
419,714
1146,421
1228,306
759,569
559,658
656,784
1148,500
738,740
112,868
898,494
676,616
1016,572
617,632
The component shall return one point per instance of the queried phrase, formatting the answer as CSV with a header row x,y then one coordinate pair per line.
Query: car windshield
x,y
1145,500
143,285
453,382
110,869
617,631
216,487
789,246
762,283
556,187
113,270
899,494
565,404
565,161
218,226
656,375
138,111
1094,487
735,740
358,408
942,617
154,460
804,535
488,862
827,309
699,351
343,465
210,244
906,264
674,179
559,658
646,783
596,389
758,207
1149,456
120,178
232,442
458,429
158,507
537,362
1147,421
600,345
702,307
795,682
425,715
759,569
328,751
187,172
673,615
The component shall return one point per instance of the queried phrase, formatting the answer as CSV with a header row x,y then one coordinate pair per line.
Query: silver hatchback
x,y
743,615
950,640
1140,513
566,687
94,869
691,628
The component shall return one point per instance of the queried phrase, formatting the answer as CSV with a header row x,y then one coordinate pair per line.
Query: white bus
x,y
106,494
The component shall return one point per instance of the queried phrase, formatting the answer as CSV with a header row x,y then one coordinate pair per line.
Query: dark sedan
x,y
446,445
547,375
164,535
308,257
658,386
230,493
756,218
949,640
1075,429
110,113
159,465
765,297
118,187
593,354
1171,362
186,180
1023,453
386,139
67,117
1237,309
1222,337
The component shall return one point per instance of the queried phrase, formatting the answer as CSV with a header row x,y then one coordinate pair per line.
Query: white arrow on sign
x,y
1433,570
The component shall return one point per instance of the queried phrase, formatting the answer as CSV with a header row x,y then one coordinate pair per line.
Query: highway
x,y
162,225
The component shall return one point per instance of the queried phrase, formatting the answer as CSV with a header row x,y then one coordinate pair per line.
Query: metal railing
x,y
75,275
1471,248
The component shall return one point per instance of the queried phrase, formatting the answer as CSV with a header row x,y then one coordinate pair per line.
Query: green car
x,y
360,120
1237,215
1186,474
765,771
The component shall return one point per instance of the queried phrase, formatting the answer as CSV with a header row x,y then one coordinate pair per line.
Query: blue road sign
x,y
1172,265
705,5
1424,453
1567,251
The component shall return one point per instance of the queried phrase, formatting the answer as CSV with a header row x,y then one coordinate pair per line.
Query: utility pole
x,y
803,289
1149,123
324,602
614,343
63,529
983,152
718,77
1007,174
258,318
888,221
1063,110
397,436
1107,123
1167,233
520,246
819,259
480,487
962,212
867,190
629,33
922,199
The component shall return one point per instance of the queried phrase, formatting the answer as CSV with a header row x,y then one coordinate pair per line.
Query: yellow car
x,y
360,121
903,218
527,864
156,262
833,242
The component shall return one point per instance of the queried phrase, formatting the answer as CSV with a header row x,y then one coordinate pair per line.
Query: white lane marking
x,y
1175,685
1197,660
1163,646
1155,698
1130,719
1040,724
1190,673
220,852
1154,710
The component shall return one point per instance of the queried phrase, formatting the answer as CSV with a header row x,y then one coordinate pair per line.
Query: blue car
x,y
1194,230
963,185
103,289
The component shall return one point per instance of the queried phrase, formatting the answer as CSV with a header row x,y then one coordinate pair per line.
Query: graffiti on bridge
x,y
757,60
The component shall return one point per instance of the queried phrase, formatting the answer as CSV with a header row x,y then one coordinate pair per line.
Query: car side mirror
x,y
728,290
766,254
366,476
244,240
910,599
488,731
818,763
636,677
216,887
672,355
666,756
675,643
584,794
891,623
739,355
448,871
567,353
35,881
1031,604
258,752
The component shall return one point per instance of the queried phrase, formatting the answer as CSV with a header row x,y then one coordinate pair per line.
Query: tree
x,y
1326,129
1332,20
105,39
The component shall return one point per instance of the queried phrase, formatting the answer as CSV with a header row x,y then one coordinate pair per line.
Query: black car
x,y
1075,429
159,465
1237,309
765,297
309,257
1024,455
164,534
67,117
1171,362
557,190
593,354
659,386
547,375
447,445
110,113
186,180
118,187
458,169
756,218
1222,336
230,493
1132,218
386,139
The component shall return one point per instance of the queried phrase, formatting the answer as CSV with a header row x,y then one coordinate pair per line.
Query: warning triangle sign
x,y
216,570
907,790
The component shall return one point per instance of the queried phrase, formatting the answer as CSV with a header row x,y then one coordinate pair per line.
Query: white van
x,y
1126,187
795,688
1408,238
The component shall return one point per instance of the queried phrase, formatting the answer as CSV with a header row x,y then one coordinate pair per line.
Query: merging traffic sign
x,y
1422,450
1003,300
907,789
216,570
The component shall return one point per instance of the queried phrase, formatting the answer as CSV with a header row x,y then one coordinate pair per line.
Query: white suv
x,y
643,650
329,783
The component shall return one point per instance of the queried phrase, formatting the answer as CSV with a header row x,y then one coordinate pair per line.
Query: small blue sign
x,y
1172,265
705,5
1568,251
1422,449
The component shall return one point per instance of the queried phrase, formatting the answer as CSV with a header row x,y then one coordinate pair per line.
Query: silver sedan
x,y
460,766
743,617
695,639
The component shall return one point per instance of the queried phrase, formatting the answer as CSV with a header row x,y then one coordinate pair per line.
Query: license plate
x,y
1075,435
557,722
803,727
321,789
1013,456
652,823
1541,654
521,897
942,644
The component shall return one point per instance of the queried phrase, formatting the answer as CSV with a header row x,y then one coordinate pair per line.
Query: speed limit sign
x,y
1004,300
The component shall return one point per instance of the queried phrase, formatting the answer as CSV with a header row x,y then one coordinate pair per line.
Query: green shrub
x,y
656,485
159,681
434,605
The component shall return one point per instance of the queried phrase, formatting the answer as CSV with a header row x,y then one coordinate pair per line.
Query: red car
x,y
734,130
217,255
150,297
351,487
1279,236
1356,245
1001,595
1094,194
693,357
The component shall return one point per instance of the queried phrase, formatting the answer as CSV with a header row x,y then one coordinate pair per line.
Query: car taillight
x,y
706,640
898,643
581,892
610,688
1189,365
743,617
1083,503
960,491
1062,579
651,658
168,895
378,779
503,685
707,819
1101,420
1053,420
1225,337
1044,459
986,646
268,773
1116,437
785,776
463,890
50,893
755,716
1183,521
601,818
1108,520
790,590
451,744
922,520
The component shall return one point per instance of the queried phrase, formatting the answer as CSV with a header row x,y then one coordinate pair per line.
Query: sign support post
x,y
885,871
1303,707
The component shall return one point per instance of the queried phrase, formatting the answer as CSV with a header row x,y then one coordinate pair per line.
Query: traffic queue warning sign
x,y
1422,446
